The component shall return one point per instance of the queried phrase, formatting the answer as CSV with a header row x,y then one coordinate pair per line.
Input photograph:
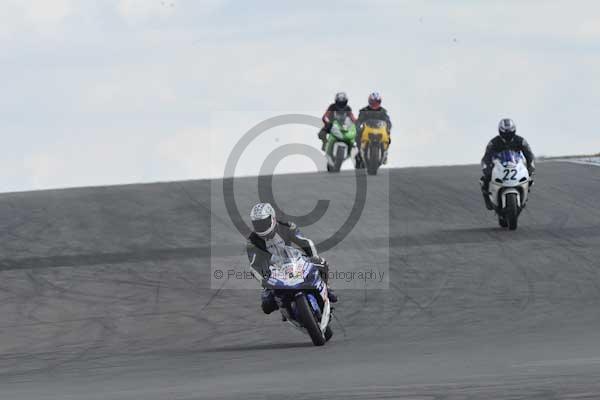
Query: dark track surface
x,y
105,294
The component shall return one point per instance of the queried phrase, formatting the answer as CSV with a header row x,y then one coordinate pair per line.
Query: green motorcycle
x,y
340,141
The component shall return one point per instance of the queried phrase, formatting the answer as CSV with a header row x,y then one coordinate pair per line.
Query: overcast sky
x,y
119,91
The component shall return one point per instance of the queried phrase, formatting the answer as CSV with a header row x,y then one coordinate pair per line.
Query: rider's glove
x,y
318,260
484,182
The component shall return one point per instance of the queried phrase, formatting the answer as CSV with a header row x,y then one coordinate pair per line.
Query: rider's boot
x,y
323,267
358,162
332,296
385,155
323,136
268,303
485,188
488,202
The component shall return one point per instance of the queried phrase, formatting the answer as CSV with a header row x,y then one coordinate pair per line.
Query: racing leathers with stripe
x,y
261,251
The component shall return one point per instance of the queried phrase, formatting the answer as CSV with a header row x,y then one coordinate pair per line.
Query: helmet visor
x,y
340,104
263,226
375,104
507,135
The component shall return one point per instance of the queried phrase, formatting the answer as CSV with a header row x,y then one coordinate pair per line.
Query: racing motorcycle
x,y
340,142
301,295
374,142
509,187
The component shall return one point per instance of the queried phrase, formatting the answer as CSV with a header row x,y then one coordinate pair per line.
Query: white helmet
x,y
375,100
263,219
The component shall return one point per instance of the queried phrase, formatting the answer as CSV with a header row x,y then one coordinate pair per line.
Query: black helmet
x,y
341,100
507,129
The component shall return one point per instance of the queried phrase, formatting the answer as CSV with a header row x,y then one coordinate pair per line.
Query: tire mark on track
x,y
94,259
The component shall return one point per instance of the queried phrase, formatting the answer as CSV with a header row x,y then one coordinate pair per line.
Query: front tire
x,y
373,158
306,316
339,159
511,211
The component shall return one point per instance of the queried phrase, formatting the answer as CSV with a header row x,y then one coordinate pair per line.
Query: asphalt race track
x,y
105,293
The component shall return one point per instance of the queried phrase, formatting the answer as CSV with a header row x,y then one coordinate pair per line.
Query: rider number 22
x,y
507,172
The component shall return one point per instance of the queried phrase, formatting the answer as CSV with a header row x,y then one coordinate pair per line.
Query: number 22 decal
x,y
508,172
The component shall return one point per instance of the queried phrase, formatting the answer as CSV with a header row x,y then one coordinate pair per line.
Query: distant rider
x,y
507,139
269,239
372,111
340,105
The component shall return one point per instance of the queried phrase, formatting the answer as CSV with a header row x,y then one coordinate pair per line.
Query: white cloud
x,y
186,152
129,88
42,169
139,10
37,16
553,20
46,11
590,28
128,91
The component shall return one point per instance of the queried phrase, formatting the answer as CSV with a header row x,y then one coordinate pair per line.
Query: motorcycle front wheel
x,y
512,211
373,158
308,320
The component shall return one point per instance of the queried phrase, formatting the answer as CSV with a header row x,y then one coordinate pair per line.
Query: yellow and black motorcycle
x,y
374,142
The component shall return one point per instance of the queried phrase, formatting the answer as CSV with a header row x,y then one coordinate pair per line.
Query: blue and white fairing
x,y
509,175
291,273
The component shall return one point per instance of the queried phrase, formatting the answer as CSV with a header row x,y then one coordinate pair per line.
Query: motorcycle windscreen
x,y
287,267
376,123
509,157
344,129
341,117
286,255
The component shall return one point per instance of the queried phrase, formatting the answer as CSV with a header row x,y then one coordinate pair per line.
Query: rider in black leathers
x,y
340,105
373,111
507,139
